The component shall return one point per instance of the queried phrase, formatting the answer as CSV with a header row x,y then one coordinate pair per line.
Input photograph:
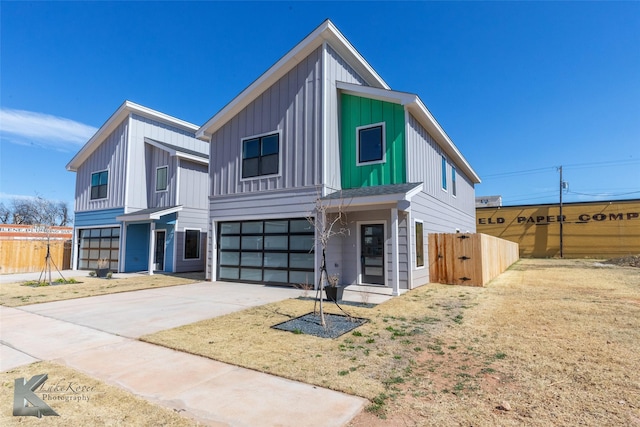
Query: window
x,y
444,173
453,181
260,156
99,181
419,244
161,178
191,244
371,143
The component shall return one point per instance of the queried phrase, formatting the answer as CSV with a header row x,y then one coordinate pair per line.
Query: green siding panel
x,y
358,111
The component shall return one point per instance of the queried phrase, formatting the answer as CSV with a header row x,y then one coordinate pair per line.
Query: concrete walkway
x,y
96,336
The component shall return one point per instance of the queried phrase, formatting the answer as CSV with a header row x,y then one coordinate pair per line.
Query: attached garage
x,y
279,251
98,243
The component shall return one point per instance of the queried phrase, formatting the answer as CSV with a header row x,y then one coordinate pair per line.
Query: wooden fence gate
x,y
469,259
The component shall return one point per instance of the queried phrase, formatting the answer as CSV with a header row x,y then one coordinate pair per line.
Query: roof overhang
x,y
326,32
178,152
422,114
114,121
148,214
396,195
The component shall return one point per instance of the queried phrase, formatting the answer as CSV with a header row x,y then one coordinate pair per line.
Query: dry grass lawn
x,y
17,294
100,405
549,342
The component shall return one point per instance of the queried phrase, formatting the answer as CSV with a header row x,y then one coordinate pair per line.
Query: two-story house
x,y
321,126
141,194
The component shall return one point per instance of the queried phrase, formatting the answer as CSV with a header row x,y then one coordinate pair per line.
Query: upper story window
x,y
453,181
99,182
444,173
371,143
260,155
161,178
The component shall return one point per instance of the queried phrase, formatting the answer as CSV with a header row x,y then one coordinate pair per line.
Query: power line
x,y
623,162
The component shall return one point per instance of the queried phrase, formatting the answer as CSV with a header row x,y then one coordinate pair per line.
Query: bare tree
x,y
39,211
328,221
5,213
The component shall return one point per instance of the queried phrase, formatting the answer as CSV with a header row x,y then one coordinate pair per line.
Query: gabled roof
x,y
417,108
325,32
181,152
116,118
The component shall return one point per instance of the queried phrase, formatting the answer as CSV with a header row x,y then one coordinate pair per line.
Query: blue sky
x,y
520,87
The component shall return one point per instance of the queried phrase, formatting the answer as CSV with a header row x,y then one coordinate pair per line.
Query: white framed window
x,y
99,184
454,189
162,178
419,239
191,243
261,155
371,144
443,168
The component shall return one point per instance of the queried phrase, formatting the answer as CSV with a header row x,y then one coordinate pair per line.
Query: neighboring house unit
x,y
141,194
322,125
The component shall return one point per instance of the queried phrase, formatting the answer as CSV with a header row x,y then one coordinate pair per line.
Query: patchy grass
x,y
17,294
558,341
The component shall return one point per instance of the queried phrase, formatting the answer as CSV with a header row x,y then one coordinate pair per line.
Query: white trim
x,y
91,185
174,246
326,32
416,107
409,237
383,125
444,173
127,168
176,153
280,144
184,245
359,251
325,121
123,247
152,246
125,109
149,216
415,245
213,267
177,184
395,253
74,249
166,184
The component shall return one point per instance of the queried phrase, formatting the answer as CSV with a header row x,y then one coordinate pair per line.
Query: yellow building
x,y
589,229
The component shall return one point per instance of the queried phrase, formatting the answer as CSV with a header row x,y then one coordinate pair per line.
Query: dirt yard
x,y
549,342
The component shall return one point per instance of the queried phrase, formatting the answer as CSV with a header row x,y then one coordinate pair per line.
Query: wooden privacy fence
x,y
23,248
469,259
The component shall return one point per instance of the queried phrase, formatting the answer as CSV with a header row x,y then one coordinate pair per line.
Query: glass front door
x,y
372,253
158,263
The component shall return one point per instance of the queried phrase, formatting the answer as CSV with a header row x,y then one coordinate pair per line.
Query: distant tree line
x,y
35,211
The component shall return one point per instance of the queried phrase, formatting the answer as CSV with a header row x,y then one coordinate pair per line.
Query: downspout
x,y
394,253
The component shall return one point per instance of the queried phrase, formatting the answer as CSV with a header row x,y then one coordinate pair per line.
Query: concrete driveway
x,y
96,336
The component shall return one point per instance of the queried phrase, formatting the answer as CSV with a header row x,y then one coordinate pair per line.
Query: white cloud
x,y
27,128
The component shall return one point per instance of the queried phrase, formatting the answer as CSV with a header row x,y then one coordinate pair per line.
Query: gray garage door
x,y
271,251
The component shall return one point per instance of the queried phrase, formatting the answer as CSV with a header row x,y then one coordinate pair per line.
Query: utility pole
x,y
561,217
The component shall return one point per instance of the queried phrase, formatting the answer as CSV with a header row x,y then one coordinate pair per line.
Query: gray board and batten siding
x,y
142,127
110,155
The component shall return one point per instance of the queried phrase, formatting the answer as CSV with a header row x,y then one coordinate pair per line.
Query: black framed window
x,y
371,144
191,244
260,156
99,182
161,178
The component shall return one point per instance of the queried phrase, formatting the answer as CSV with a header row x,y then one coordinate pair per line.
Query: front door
x,y
372,253
158,259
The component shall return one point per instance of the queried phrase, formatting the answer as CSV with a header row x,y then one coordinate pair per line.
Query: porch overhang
x,y
148,214
395,195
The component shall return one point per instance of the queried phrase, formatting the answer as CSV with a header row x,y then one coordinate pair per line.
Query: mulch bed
x,y
336,325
